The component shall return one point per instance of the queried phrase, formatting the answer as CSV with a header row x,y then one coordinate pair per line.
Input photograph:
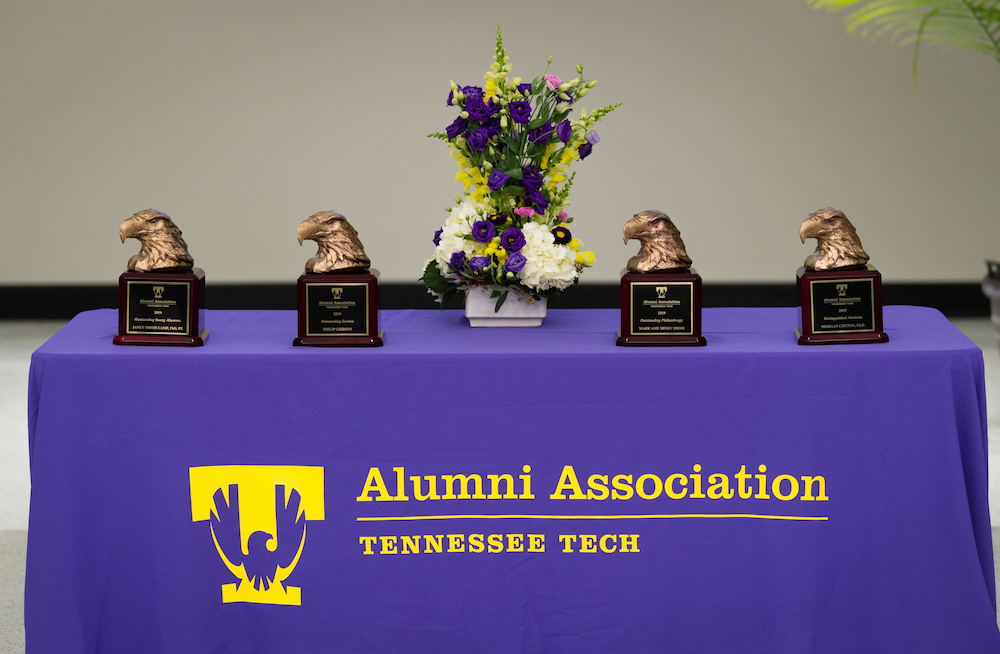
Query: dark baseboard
x,y
63,302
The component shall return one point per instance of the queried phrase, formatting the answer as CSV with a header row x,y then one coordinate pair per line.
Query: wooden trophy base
x,y
339,310
161,308
661,309
840,306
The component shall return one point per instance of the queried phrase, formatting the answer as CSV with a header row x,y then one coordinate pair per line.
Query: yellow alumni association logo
x,y
257,517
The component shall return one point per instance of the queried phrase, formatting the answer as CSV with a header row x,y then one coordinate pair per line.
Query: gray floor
x,y
19,339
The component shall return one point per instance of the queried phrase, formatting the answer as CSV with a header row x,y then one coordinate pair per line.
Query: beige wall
x,y
240,119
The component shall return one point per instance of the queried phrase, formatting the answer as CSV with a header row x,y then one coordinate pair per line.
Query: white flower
x,y
459,223
549,265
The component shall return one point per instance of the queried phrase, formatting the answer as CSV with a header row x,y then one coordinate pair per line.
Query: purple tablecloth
x,y
158,475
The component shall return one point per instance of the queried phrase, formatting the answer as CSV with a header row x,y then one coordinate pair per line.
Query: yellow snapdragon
x,y
585,258
549,149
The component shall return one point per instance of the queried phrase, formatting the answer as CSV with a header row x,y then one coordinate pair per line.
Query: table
x,y
752,495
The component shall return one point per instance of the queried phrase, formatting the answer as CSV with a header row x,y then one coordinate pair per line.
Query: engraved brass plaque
x,y
842,306
155,307
660,308
337,309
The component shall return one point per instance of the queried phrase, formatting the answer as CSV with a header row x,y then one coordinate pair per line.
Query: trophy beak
x,y
126,229
307,229
805,230
632,229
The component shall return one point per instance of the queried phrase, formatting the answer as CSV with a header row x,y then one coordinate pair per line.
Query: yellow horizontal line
x,y
640,516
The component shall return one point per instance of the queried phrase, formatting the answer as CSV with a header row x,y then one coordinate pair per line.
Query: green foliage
x,y
438,135
433,280
604,111
968,24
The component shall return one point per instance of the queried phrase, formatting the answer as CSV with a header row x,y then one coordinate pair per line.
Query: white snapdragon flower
x,y
549,265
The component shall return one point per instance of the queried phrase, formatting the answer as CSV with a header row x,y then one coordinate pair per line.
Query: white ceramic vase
x,y
515,311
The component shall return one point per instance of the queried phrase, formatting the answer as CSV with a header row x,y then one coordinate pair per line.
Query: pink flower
x,y
553,82
562,216
525,212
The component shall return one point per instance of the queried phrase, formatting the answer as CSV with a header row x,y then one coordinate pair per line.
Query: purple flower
x,y
561,235
525,88
477,109
472,92
585,150
479,263
457,260
456,128
497,180
437,236
531,179
520,111
479,138
541,134
512,239
593,138
493,107
483,231
515,262
537,199
492,126
498,218
564,131
451,96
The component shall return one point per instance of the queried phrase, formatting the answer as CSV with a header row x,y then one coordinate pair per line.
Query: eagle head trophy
x,y
837,242
339,247
163,248
661,247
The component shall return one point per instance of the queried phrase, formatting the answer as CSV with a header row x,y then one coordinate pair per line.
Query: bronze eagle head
x,y
162,248
661,247
837,242
339,247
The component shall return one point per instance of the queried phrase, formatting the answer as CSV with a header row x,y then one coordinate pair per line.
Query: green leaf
x,y
495,294
969,24
536,123
500,302
515,190
433,280
514,172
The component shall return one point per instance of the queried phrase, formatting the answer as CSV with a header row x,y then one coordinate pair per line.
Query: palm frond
x,y
968,24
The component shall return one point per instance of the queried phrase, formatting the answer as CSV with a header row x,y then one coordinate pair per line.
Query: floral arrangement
x,y
514,144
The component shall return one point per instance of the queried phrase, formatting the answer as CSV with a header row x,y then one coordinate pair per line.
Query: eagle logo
x,y
257,519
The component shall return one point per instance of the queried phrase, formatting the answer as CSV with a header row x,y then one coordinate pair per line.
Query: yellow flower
x,y
575,244
490,87
549,149
502,255
586,258
568,156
